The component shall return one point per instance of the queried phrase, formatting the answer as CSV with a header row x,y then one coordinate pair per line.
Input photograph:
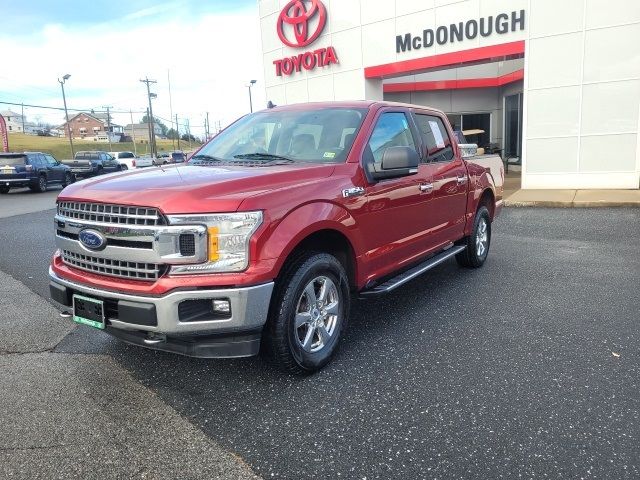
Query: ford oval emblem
x,y
92,239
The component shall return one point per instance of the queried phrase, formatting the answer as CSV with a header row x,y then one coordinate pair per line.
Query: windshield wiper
x,y
264,156
206,158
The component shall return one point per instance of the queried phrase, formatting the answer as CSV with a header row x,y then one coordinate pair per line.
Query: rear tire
x,y
477,244
4,190
309,311
68,179
123,168
41,186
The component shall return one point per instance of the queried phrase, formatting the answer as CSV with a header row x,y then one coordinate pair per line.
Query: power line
x,y
62,109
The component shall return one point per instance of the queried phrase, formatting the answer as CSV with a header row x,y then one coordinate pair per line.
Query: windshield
x,y
318,136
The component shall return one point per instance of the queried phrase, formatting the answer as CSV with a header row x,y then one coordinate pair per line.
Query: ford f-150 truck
x,y
257,243
87,164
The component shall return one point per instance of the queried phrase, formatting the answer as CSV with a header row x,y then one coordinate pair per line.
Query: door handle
x,y
462,180
426,187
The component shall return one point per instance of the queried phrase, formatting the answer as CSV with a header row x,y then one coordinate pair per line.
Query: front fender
x,y
285,235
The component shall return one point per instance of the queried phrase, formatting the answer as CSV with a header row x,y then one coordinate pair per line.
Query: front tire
x,y
4,190
477,244
308,314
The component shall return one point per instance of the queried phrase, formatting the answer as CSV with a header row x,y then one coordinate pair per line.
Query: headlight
x,y
227,244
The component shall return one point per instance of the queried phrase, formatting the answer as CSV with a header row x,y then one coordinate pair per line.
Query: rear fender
x,y
481,181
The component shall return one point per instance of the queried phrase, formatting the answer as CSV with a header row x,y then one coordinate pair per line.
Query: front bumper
x,y
161,323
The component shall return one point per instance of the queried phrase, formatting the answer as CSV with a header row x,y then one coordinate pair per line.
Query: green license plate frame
x,y
88,311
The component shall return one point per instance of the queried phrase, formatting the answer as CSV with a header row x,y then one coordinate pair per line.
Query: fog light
x,y
221,306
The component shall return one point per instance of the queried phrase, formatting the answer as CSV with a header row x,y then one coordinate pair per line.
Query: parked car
x,y
90,163
128,160
163,158
35,170
259,241
171,157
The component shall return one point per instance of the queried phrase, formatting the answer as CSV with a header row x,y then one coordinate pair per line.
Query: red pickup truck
x,y
257,243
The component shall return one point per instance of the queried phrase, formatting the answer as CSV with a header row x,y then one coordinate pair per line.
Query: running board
x,y
412,273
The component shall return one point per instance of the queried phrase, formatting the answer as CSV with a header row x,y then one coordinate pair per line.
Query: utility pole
x,y
66,113
178,132
149,132
152,135
133,134
23,118
188,133
207,126
173,144
108,107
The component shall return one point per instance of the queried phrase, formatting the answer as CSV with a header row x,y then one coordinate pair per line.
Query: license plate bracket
x,y
88,311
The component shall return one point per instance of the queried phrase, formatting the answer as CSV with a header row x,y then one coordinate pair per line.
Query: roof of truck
x,y
349,104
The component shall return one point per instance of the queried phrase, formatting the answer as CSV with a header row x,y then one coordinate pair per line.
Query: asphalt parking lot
x,y
528,367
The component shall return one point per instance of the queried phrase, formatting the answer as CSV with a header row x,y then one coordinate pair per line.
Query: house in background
x,y
139,132
16,123
89,126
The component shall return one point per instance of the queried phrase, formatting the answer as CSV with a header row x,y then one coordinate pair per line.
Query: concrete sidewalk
x,y
83,416
573,198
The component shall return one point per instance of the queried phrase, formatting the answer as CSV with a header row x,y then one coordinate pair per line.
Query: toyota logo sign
x,y
300,23
297,23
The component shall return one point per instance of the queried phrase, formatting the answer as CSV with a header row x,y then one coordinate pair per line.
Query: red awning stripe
x,y
454,84
416,65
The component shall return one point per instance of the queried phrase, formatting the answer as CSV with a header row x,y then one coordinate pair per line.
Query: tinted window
x,y
125,155
50,160
391,130
435,136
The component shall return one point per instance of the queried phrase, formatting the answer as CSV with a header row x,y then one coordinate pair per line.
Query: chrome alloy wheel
x,y
317,314
482,238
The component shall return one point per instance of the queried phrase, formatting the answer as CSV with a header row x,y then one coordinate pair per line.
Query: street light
x,y
66,114
251,84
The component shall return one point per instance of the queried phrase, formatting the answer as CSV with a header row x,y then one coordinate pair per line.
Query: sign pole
x,y
4,135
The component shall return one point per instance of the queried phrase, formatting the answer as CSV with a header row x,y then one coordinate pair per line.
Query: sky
x,y
210,50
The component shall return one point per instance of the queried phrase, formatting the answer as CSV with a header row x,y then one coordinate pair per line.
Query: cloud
x,y
211,58
152,11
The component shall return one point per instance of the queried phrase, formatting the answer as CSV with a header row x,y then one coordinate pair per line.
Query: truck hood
x,y
192,188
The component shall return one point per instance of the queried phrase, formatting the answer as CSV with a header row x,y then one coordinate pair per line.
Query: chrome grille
x,y
114,268
115,214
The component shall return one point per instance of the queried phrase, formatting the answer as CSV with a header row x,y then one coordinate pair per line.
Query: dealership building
x,y
554,85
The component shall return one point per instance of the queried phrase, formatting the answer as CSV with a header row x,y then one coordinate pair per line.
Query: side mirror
x,y
396,162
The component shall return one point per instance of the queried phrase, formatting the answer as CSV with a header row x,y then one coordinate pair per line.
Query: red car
x,y
258,241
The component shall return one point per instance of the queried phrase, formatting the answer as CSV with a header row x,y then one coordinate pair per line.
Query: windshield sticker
x,y
437,134
329,155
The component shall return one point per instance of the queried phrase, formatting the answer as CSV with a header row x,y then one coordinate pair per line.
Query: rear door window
x,y
438,145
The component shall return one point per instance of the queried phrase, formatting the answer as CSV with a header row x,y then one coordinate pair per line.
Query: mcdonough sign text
x,y
457,32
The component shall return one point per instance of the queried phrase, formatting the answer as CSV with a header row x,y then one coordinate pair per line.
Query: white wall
x,y
582,94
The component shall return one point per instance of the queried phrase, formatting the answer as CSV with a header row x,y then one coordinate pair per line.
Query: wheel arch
x,y
488,199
